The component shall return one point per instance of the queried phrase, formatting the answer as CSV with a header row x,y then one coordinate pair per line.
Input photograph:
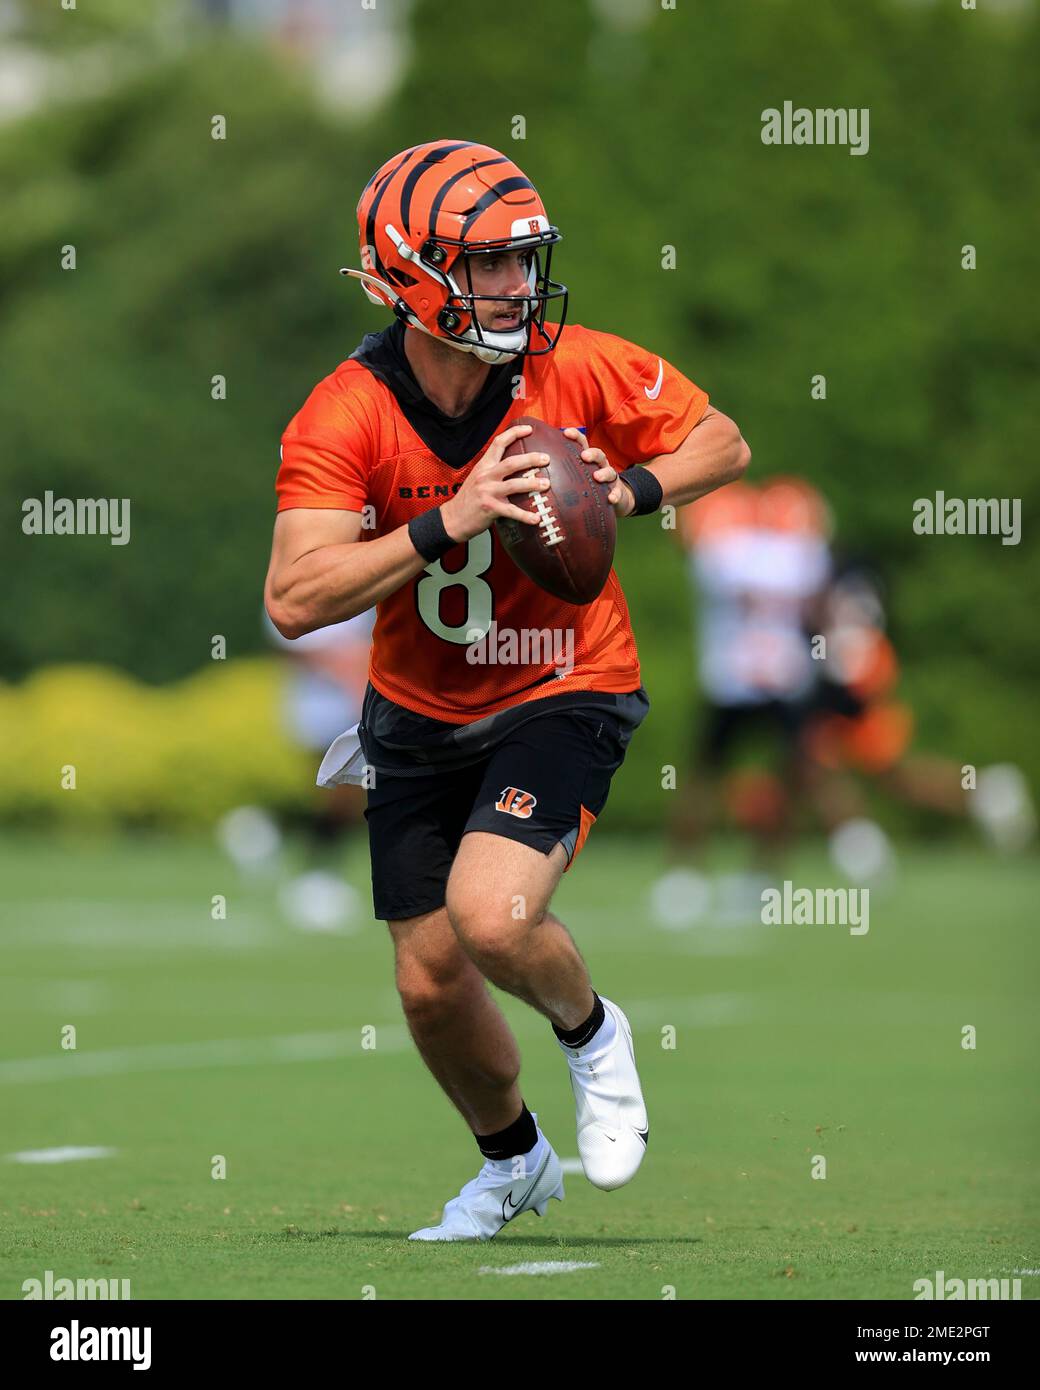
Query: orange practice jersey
x,y
351,447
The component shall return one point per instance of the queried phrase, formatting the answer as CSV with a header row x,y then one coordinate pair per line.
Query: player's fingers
x,y
507,437
605,471
517,463
505,487
518,513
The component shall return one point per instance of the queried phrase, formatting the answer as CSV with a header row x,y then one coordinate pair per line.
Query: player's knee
x,y
433,989
488,939
427,999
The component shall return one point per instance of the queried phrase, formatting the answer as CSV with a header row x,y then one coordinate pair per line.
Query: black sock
x,y
518,1138
578,1037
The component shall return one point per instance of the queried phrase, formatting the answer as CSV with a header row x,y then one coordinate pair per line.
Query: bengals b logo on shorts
x,y
516,802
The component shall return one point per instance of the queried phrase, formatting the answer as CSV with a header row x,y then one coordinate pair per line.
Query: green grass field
x,y
242,1038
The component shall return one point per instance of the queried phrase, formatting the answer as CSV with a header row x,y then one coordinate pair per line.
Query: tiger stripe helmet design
x,y
424,214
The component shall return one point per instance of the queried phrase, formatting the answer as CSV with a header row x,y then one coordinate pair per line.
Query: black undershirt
x,y
455,439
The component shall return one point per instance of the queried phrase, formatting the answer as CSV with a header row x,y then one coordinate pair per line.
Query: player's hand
x,y
485,493
620,496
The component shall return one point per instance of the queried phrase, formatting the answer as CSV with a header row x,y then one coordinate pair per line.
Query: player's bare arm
x,y
712,454
321,572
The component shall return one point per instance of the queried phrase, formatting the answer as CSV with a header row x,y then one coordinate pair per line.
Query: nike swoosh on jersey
x,y
652,395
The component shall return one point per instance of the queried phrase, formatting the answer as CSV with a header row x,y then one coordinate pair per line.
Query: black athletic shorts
x,y
543,784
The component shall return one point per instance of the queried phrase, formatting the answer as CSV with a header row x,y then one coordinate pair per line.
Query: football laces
x,y
549,525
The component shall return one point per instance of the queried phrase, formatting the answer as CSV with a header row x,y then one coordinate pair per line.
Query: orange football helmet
x,y
424,213
792,504
729,508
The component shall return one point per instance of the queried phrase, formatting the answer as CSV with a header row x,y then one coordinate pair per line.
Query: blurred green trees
x,y
198,257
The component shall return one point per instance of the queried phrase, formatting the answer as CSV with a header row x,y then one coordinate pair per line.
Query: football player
x,y
484,779
326,683
858,726
758,559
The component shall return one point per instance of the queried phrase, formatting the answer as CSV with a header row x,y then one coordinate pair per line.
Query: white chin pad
x,y
493,347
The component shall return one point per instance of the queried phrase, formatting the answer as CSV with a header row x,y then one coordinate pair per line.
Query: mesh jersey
x,y
351,447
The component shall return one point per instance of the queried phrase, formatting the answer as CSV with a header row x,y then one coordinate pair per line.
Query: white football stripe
x,y
541,1267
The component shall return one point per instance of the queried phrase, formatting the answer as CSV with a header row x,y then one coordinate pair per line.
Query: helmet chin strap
x,y
495,349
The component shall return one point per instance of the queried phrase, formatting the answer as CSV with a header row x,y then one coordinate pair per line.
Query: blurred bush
x,y
175,757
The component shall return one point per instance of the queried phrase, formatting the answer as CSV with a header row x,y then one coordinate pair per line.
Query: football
x,y
570,553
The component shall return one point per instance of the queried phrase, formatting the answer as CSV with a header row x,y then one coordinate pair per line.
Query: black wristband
x,y
428,535
645,488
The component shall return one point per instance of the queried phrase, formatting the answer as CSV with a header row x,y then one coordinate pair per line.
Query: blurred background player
x,y
323,695
321,698
858,728
758,559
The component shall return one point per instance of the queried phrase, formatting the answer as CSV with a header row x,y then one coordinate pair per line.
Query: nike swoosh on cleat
x,y
509,1207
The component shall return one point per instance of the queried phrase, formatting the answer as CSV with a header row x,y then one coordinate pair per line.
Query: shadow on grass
x,y
515,1241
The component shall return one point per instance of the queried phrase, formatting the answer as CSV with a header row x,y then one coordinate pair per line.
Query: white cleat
x,y
493,1198
612,1123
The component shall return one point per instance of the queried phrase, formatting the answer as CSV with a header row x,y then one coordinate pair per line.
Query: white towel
x,y
344,761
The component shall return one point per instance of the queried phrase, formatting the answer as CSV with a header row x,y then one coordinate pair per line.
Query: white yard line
x,y
541,1267
710,1011
68,1154
221,1052
166,926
